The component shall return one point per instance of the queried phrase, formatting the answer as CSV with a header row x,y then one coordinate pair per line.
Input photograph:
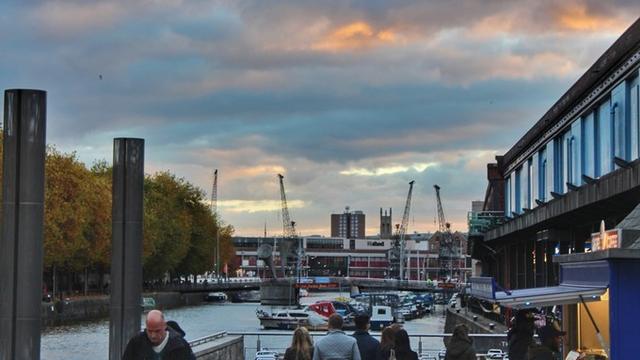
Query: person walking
x,y
551,340
336,344
387,338
460,345
368,345
402,346
158,341
301,346
520,336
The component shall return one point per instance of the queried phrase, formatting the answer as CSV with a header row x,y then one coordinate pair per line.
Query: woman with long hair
x,y
301,346
402,346
387,338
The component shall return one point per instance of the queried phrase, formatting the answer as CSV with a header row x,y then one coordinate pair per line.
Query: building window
x,y
604,139
558,161
542,175
518,204
588,148
634,117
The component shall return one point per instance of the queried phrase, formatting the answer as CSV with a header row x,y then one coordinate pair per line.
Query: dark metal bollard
x,y
25,117
126,253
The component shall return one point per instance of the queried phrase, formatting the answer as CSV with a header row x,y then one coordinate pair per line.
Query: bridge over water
x,y
361,284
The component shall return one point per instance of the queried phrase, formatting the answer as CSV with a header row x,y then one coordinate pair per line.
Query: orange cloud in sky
x,y
577,17
355,35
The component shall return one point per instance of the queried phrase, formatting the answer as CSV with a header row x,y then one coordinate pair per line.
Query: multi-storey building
x,y
350,224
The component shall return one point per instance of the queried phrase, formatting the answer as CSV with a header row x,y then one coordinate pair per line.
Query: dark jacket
x,y
290,354
368,345
520,339
385,352
140,348
460,348
540,352
410,355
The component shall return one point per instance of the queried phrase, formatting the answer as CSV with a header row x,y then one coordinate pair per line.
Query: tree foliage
x,y
179,228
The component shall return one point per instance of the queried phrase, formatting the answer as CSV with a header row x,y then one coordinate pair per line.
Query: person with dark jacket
x,y
158,342
402,346
460,345
520,336
368,345
551,339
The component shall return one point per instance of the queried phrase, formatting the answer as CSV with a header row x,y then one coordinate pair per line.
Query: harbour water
x,y
91,340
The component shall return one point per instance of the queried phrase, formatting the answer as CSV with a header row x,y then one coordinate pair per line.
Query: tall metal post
x,y
25,117
126,253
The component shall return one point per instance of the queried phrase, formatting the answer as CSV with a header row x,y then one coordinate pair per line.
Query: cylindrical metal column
x,y
25,113
126,253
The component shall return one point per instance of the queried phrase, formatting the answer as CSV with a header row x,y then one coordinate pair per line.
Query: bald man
x,y
158,342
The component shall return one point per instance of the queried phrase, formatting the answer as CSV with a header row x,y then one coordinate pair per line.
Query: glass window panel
x,y
604,135
634,118
588,145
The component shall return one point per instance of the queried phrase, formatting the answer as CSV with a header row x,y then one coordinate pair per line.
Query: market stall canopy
x,y
548,296
579,282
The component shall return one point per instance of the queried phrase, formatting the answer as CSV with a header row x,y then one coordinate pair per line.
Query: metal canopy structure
x,y
548,296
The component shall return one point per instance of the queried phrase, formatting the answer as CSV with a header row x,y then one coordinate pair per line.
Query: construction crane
x,y
290,238
214,210
288,226
446,239
402,230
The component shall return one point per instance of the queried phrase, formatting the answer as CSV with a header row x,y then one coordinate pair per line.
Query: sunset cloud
x,y
356,35
350,100
254,206
389,170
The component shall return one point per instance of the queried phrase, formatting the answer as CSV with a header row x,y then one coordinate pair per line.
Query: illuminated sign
x,y
611,240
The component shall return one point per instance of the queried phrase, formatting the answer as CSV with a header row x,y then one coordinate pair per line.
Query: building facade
x,y
335,256
576,167
350,224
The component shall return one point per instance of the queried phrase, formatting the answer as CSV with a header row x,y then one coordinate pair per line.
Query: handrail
x,y
322,333
208,338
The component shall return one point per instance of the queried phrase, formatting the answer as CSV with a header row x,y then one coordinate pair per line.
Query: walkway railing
x,y
267,340
208,338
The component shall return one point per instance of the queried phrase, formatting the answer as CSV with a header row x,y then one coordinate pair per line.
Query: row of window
x,y
589,147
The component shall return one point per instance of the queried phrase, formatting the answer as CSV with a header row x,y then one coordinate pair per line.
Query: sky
x,y
349,100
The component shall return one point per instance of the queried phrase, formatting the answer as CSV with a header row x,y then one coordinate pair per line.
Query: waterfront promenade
x,y
90,340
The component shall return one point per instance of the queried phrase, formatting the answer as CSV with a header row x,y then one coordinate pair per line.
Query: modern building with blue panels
x,y
576,168
571,170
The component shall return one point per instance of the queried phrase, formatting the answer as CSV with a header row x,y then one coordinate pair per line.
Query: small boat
x,y
381,317
290,319
216,297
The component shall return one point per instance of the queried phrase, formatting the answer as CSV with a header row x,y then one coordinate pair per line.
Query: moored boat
x,y
216,297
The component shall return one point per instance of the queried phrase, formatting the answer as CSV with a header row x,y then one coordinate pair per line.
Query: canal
x,y
91,340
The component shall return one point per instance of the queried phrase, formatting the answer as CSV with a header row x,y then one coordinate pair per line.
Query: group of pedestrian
x,y
164,340
361,345
522,345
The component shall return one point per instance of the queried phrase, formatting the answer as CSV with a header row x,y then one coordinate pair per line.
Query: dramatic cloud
x,y
348,100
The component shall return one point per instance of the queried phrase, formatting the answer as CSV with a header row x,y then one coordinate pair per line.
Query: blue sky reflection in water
x,y
349,99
